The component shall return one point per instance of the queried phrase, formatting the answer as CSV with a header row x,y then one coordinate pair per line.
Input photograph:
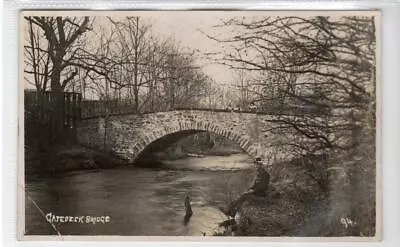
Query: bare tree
x,y
133,36
61,35
37,59
317,76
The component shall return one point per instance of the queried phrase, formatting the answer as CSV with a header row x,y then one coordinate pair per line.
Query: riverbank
x,y
279,214
66,158
172,154
73,157
296,205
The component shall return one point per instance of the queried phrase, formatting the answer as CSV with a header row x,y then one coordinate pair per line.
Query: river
x,y
140,201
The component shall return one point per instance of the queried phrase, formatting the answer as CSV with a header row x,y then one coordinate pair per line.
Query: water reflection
x,y
141,201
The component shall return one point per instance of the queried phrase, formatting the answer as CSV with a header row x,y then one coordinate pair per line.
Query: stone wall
x,y
128,135
90,132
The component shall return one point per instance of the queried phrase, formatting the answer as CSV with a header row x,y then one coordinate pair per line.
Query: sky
x,y
184,27
189,28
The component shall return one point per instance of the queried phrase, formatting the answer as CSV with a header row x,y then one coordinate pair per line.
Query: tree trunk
x,y
136,95
57,105
136,86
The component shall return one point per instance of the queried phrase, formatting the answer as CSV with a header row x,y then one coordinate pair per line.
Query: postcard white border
x,y
9,120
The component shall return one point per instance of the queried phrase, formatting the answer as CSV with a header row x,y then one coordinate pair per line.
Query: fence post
x,y
74,111
79,106
67,110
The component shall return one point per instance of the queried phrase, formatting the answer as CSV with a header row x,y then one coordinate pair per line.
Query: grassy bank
x,y
296,205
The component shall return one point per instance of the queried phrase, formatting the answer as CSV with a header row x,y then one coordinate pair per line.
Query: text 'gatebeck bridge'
x,y
129,134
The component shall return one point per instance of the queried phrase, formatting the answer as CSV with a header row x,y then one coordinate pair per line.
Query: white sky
x,y
186,28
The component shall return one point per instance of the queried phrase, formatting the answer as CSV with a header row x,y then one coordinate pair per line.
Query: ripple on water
x,y
139,201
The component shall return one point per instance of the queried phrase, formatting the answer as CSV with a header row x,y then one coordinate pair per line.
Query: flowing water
x,y
139,201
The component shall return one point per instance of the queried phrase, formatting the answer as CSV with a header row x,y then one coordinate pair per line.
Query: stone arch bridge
x,y
129,135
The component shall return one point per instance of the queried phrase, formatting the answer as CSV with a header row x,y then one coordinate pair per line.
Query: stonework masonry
x,y
128,135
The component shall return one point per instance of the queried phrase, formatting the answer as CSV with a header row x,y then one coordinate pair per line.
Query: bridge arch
x,y
153,135
127,135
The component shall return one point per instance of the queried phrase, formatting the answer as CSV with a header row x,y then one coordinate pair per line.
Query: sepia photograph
x,y
207,124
